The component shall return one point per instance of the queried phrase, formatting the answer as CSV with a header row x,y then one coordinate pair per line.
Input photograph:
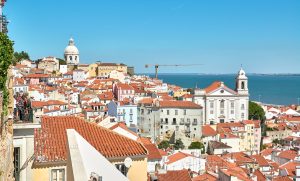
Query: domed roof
x,y
71,48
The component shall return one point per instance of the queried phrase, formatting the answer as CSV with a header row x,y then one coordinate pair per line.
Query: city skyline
x,y
263,36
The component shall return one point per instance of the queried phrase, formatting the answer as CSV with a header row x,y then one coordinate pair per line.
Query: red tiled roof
x,y
282,178
37,104
51,139
162,152
262,162
37,75
124,86
177,156
178,175
288,154
215,85
227,136
205,177
259,175
179,104
207,130
290,167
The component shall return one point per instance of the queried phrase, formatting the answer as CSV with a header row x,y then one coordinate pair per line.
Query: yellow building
x,y
51,149
104,69
93,70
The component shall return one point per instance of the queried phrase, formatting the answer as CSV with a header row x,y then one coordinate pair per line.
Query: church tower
x,y
242,83
71,54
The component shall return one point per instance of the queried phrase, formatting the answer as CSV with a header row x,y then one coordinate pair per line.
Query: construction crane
x,y
168,65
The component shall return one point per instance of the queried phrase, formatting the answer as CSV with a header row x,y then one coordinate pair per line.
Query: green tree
x,y
178,144
18,56
197,145
164,144
62,61
256,111
6,56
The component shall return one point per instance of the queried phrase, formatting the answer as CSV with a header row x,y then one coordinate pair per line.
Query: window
x,y
243,106
177,128
232,104
166,120
161,120
243,85
70,57
176,112
168,112
243,115
75,57
184,112
211,104
174,121
222,104
58,174
122,168
17,163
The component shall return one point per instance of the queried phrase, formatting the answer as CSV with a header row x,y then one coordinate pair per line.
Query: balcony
x,y
181,122
187,123
195,123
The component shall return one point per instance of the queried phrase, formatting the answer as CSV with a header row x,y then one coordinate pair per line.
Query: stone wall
x,y
6,136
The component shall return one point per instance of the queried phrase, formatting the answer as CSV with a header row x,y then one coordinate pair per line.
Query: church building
x,y
222,104
71,55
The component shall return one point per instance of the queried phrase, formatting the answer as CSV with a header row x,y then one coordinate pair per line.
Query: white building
x,y
63,69
222,104
23,140
181,160
163,119
71,53
79,75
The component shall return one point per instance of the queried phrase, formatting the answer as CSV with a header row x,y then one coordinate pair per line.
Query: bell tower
x,y
242,83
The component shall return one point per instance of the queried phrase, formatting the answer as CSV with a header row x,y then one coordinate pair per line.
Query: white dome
x,y
71,49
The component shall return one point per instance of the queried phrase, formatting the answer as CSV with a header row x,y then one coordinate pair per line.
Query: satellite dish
x,y
128,162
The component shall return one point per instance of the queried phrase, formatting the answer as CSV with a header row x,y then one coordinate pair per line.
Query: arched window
x,y
243,85
75,57
70,57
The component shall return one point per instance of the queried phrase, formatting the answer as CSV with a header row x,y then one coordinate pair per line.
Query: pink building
x,y
122,91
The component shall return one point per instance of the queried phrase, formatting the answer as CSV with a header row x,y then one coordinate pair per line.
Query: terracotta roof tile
x,y
207,130
262,162
205,177
51,139
288,154
179,104
177,156
215,85
178,175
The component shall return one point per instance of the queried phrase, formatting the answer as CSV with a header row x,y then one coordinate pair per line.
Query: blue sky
x,y
263,35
